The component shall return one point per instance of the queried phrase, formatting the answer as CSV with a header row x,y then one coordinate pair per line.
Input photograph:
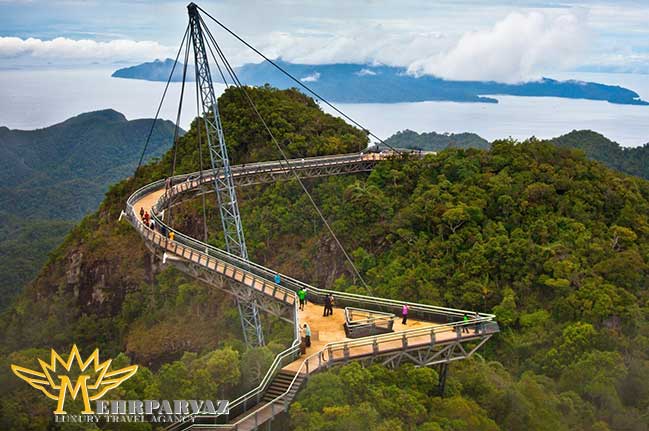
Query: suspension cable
x,y
243,90
200,148
297,81
164,93
175,148
216,62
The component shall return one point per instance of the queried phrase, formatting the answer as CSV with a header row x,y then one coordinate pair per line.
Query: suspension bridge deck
x,y
432,335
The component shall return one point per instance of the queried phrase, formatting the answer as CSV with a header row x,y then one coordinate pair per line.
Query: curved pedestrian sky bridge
x,y
433,335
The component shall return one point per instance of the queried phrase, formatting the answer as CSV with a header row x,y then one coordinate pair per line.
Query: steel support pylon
x,y
226,197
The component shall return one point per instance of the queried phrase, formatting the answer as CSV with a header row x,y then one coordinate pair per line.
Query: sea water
x,y
32,99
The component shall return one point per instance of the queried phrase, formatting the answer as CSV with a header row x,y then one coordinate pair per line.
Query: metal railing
x,y
452,320
342,351
363,323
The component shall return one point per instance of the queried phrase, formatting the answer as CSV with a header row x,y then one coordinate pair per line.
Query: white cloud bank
x,y
518,48
64,51
375,44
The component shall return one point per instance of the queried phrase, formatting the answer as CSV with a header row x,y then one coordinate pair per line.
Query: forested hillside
x,y
51,177
633,161
552,243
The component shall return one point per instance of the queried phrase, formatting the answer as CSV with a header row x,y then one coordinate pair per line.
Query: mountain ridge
x,y
52,176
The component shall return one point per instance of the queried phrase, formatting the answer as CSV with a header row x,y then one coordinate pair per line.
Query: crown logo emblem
x,y
93,381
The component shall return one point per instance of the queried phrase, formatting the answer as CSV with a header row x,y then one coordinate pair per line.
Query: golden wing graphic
x,y
35,379
111,380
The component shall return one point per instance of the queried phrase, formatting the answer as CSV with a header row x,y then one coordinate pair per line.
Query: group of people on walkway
x,y
146,217
465,326
328,305
151,224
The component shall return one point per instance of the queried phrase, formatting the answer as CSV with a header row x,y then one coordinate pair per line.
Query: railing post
x,y
375,346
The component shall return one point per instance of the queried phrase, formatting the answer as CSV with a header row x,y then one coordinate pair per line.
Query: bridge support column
x,y
443,371
253,335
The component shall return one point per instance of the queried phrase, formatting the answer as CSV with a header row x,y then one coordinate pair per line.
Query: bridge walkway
x,y
433,334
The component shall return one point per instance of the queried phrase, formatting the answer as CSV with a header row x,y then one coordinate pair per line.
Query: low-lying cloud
x,y
311,78
63,50
518,48
375,44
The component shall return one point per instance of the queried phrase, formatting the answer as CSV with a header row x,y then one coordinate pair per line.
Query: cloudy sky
x,y
456,39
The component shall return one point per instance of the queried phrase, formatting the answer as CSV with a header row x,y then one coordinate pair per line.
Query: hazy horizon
x,y
40,98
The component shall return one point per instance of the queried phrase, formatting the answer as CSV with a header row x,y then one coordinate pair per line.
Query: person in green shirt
x,y
301,294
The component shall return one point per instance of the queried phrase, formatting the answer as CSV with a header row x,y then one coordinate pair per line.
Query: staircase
x,y
280,384
277,387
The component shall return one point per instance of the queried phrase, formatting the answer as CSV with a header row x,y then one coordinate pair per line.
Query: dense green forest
x,y
434,141
553,243
50,178
633,161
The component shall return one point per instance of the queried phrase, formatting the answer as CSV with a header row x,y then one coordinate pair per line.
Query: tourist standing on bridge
x,y
152,225
301,294
147,217
465,327
404,313
307,335
278,279
328,306
141,212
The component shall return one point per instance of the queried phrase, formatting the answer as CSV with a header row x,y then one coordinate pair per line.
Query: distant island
x,y
157,70
434,141
359,83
